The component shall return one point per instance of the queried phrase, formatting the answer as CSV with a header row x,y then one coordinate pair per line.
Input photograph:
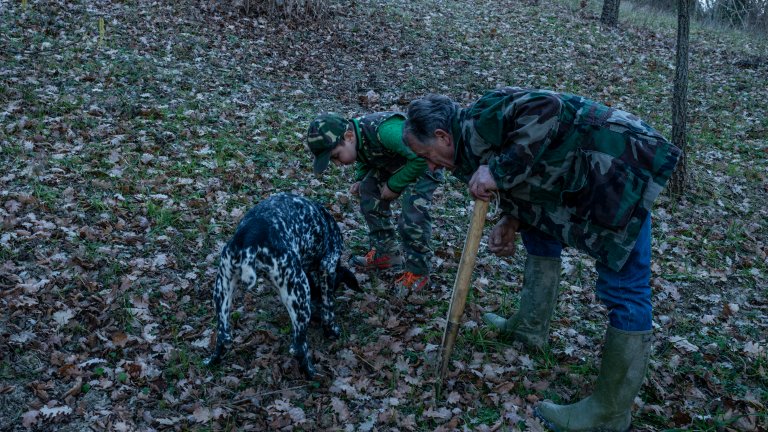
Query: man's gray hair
x,y
428,114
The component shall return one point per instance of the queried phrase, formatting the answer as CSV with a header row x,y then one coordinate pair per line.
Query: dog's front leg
x,y
299,347
222,300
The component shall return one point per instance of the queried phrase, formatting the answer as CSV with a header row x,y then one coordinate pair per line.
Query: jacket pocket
x,y
603,189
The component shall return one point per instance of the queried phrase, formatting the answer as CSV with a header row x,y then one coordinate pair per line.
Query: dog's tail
x,y
346,277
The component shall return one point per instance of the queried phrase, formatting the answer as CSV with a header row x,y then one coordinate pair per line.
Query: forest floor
x,y
128,155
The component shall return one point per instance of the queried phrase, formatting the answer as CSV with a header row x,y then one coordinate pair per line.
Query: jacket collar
x,y
358,134
458,140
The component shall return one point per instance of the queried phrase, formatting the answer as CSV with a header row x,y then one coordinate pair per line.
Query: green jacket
x,y
380,147
580,171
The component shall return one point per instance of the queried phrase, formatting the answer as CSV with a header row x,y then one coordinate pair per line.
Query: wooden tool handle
x,y
463,280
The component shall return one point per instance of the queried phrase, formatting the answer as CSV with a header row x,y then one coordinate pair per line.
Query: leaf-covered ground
x,y
127,157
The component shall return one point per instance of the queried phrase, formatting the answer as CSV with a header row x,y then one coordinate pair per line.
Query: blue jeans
x,y
627,292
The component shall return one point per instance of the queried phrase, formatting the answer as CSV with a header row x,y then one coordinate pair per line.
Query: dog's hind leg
x,y
223,290
293,285
315,296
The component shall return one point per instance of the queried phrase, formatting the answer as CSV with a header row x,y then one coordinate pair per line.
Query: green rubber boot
x,y
609,408
538,298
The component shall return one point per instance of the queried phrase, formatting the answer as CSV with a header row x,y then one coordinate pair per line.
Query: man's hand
x,y
502,238
355,189
482,184
387,194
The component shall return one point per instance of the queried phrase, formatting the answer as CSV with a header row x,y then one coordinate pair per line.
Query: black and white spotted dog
x,y
297,245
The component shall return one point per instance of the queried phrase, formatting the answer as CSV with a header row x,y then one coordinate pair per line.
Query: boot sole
x,y
554,428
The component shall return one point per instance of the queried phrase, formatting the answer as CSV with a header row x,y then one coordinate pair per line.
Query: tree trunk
x,y
610,16
679,99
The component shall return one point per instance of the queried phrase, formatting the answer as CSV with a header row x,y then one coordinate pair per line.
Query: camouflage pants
x,y
414,224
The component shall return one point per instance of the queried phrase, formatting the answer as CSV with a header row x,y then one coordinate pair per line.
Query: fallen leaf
x,y
29,418
121,427
752,348
169,421
22,337
441,413
341,408
730,309
202,414
148,330
119,339
51,412
453,397
62,317
682,344
34,287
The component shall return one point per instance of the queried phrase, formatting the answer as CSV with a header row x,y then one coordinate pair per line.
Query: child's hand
x,y
387,194
355,188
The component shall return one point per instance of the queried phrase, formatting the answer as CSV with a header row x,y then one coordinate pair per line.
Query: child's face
x,y
345,152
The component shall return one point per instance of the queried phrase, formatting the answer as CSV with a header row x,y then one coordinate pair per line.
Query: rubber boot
x,y
609,408
538,298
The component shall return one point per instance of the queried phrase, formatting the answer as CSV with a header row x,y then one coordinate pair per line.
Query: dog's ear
x,y
346,277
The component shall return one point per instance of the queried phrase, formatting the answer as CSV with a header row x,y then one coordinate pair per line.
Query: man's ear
x,y
444,137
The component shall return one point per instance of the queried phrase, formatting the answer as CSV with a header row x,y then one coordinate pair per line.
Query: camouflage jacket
x,y
386,152
582,172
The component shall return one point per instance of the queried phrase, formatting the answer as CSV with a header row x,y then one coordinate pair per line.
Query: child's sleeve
x,y
391,137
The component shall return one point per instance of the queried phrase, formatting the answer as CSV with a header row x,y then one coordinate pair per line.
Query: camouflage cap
x,y
323,135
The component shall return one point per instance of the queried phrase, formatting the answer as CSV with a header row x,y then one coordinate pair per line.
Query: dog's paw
x,y
309,370
218,353
212,360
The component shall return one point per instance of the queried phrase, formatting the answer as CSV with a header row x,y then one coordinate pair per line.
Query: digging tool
x,y
463,279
